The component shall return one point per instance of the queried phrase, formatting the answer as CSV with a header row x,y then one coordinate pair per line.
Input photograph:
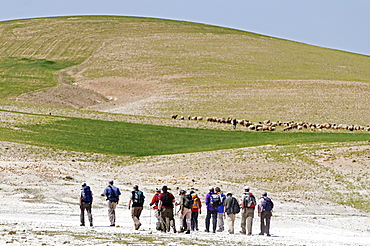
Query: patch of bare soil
x,y
64,95
40,187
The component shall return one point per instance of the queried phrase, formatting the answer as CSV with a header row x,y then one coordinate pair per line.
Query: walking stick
x,y
150,219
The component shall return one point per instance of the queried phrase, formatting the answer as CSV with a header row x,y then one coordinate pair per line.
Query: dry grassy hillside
x,y
158,67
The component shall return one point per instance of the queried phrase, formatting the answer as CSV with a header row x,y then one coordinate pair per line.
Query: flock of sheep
x,y
267,125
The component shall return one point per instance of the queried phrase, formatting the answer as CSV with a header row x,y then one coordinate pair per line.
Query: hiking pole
x,y
150,219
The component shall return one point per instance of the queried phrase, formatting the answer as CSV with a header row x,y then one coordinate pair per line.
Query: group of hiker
x,y
218,206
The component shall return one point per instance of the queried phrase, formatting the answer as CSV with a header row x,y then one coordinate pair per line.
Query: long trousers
x,y
194,220
265,222
213,214
167,217
186,214
247,219
86,206
220,221
231,222
112,212
135,214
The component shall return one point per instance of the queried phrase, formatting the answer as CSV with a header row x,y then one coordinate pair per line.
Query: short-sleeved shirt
x,y
112,192
229,203
221,207
155,200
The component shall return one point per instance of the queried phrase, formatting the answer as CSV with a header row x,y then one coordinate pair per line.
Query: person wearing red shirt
x,y
155,200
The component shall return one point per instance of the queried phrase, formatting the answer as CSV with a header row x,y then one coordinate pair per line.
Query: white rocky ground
x,y
38,206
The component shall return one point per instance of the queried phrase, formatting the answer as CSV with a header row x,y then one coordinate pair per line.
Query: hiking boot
x,y
249,234
91,224
82,224
268,235
260,233
113,225
187,232
243,232
137,226
206,230
197,229
220,230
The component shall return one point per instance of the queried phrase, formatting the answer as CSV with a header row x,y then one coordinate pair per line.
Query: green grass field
x,y
121,138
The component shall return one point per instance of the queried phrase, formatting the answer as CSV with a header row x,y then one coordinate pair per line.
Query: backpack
x,y
195,202
86,194
267,204
215,200
249,200
166,200
235,208
112,196
138,197
188,201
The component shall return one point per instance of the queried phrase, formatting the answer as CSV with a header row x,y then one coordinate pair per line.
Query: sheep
x,y
251,127
267,125
287,128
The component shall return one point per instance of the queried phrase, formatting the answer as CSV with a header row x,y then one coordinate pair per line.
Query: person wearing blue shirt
x,y
220,214
112,193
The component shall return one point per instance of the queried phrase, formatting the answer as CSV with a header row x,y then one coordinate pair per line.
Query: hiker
x,y
186,203
165,207
112,193
220,212
231,208
182,220
212,203
265,206
86,199
157,214
137,200
248,204
195,210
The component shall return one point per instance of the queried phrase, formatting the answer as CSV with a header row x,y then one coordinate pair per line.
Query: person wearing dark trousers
x,y
212,209
86,199
265,207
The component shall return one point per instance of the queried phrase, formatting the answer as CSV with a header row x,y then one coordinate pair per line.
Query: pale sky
x,y
337,24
